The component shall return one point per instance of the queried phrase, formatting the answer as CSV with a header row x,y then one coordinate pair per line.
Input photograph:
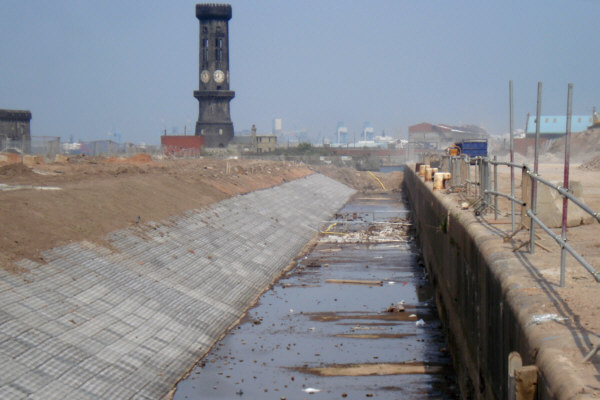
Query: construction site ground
x,y
581,289
48,205
113,256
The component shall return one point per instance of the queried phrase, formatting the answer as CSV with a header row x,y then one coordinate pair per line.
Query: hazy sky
x,y
87,68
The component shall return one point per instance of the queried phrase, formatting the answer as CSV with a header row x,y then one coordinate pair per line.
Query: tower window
x,y
204,52
218,50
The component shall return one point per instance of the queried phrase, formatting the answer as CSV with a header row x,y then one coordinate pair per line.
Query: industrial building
x,y
182,146
15,130
342,133
555,126
440,136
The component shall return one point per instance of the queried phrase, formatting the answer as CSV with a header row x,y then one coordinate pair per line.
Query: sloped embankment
x,y
130,321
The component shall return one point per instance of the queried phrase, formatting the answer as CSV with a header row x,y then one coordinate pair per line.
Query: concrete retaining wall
x,y
129,321
490,302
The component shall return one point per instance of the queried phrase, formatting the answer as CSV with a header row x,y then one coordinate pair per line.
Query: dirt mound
x,y
16,169
140,159
362,180
135,159
592,164
10,158
583,145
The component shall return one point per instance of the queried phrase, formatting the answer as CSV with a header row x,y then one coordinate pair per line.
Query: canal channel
x,y
354,319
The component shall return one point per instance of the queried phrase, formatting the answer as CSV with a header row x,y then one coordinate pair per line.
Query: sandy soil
x,y
580,294
100,195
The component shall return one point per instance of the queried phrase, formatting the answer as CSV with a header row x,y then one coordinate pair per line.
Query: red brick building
x,y
180,146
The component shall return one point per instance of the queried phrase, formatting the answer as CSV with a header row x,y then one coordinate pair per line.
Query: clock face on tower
x,y
219,76
205,76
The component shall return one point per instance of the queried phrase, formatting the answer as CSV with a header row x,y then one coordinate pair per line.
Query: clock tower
x,y
214,121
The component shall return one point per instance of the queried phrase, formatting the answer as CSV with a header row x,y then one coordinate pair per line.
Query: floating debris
x,y
378,233
538,319
5,187
311,390
395,308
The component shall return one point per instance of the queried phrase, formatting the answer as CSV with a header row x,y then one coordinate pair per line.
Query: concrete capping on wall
x,y
486,302
130,321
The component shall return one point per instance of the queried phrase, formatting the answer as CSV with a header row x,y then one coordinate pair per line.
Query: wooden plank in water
x,y
354,282
416,368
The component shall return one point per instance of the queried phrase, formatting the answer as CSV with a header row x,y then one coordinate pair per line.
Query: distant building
x,y
254,143
277,126
182,146
242,144
555,126
423,134
15,129
266,143
368,133
440,136
342,133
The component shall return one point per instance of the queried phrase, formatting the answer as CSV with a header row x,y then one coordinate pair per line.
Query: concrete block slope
x,y
130,321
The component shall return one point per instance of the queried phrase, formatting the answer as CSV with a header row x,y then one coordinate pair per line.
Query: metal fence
x,y
47,146
477,180
111,148
50,146
14,146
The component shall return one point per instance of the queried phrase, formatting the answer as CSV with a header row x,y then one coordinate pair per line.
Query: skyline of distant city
x,y
87,70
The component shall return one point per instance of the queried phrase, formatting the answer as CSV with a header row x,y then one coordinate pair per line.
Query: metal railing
x,y
481,183
483,186
464,183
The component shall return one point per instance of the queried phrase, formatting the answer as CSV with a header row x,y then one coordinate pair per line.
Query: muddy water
x,y
325,331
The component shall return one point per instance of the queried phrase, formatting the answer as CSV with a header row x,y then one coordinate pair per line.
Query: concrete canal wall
x,y
490,302
130,320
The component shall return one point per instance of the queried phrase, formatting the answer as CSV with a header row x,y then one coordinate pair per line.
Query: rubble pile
x,y
378,232
591,165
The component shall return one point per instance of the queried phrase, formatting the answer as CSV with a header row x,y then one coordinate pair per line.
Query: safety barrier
x,y
479,177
